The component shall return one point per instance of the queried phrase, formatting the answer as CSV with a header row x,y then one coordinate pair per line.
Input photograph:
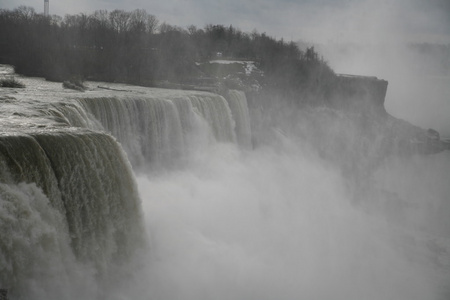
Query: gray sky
x,y
314,21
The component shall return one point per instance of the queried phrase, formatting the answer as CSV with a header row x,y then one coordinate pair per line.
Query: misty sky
x,y
313,21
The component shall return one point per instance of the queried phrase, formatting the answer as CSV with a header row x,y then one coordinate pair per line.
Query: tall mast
x,y
46,8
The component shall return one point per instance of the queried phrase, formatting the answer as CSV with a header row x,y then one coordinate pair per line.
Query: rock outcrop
x,y
359,92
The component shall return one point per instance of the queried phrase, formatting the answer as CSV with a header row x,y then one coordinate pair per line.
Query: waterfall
x,y
67,195
150,131
280,221
71,224
36,260
239,109
162,130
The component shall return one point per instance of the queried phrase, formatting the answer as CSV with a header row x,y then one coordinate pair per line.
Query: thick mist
x,y
418,75
405,42
281,223
43,264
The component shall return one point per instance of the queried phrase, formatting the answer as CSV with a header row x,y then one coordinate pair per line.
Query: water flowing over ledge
x,y
160,129
65,162
86,183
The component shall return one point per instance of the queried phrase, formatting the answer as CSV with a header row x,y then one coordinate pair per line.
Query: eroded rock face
x,y
363,97
359,92
347,124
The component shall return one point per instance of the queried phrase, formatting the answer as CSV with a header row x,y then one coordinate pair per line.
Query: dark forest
x,y
135,47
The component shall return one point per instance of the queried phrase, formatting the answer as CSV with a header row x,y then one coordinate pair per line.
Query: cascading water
x,y
277,222
65,191
239,109
77,188
36,259
163,129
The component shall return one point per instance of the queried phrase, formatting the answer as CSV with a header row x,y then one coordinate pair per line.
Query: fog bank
x,y
281,224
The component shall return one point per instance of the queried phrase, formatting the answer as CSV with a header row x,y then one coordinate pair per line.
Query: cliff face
x,y
346,122
365,96
359,93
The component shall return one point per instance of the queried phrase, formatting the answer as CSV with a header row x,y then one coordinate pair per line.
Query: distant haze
x,y
418,75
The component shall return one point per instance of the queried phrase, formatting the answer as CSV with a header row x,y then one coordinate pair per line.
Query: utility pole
x,y
46,8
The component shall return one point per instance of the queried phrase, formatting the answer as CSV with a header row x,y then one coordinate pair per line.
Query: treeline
x,y
135,47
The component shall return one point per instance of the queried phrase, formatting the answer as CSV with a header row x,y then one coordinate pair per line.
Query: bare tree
x,y
120,20
152,24
138,20
102,17
24,13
